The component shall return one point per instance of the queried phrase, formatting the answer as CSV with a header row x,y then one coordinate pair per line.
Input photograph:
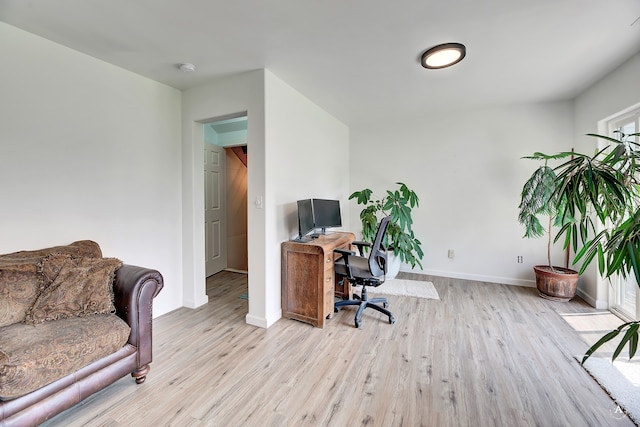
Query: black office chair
x,y
365,271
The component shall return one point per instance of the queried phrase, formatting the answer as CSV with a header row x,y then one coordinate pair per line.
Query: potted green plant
x,y
539,197
399,237
597,197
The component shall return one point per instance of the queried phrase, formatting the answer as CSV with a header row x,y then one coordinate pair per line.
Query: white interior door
x,y
214,209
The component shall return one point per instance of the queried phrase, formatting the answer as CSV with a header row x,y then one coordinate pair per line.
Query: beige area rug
x,y
621,380
404,287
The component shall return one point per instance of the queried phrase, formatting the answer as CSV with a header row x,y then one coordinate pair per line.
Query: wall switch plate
x,y
451,254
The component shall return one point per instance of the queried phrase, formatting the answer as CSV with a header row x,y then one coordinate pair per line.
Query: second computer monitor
x,y
326,214
305,217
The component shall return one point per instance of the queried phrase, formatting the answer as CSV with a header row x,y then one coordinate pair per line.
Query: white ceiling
x,y
357,59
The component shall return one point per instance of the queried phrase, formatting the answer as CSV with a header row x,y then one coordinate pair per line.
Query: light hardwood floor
x,y
484,355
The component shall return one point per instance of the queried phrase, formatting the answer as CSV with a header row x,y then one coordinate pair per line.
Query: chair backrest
x,y
378,256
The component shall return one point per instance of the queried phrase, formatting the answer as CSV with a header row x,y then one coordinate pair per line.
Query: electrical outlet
x,y
519,259
451,254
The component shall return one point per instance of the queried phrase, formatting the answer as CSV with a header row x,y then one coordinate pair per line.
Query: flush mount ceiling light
x,y
443,55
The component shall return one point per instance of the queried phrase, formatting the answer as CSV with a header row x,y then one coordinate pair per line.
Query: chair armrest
x,y
345,255
344,252
134,289
361,245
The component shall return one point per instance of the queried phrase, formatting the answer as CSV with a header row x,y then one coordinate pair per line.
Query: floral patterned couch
x,y
71,323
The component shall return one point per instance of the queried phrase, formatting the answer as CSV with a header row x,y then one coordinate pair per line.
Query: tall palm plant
x,y
600,194
540,197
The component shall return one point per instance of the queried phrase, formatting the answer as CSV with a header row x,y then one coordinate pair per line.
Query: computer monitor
x,y
326,214
306,223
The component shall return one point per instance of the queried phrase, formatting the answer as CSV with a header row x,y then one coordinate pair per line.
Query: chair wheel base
x,y
362,302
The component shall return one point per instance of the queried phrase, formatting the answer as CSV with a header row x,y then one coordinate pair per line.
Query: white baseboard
x,y
263,322
480,278
593,302
260,322
200,301
233,270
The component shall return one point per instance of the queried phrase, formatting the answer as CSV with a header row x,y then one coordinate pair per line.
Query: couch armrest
x,y
134,289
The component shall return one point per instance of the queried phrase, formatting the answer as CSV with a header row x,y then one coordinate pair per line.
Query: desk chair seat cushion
x,y
359,267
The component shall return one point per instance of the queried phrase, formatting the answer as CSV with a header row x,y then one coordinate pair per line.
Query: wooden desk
x,y
308,277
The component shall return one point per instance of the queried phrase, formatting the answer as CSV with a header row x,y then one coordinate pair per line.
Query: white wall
x,y
280,121
307,155
88,151
617,91
467,170
241,93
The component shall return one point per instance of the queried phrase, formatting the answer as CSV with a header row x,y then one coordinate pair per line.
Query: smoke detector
x,y
186,67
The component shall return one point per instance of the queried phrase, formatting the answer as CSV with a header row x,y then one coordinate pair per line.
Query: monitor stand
x,y
302,239
322,232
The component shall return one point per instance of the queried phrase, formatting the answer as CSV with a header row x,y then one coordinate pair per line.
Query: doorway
x,y
226,185
237,205
624,300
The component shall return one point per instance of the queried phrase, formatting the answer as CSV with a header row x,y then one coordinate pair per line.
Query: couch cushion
x,y
20,278
32,356
85,248
19,285
77,286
